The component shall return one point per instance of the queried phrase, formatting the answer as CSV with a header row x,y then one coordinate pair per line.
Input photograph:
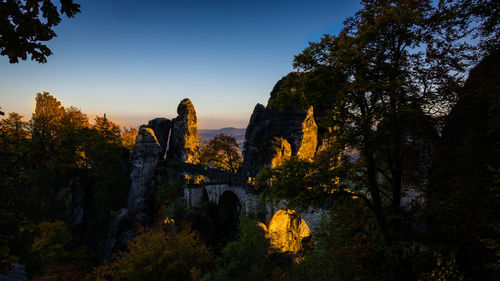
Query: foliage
x,y
156,255
42,162
107,128
55,253
446,270
128,138
221,153
247,258
25,24
398,66
304,183
346,247
52,241
464,188
16,183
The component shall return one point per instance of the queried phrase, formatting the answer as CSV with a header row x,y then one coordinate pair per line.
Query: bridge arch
x,y
287,231
229,210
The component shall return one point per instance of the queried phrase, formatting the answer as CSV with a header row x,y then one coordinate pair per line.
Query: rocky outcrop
x,y
140,205
282,151
17,273
266,124
145,157
161,128
121,230
79,196
287,230
184,140
309,141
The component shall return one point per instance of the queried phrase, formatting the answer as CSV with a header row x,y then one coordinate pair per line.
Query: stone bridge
x,y
233,191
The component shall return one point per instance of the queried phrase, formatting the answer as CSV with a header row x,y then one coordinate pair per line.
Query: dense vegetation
x,y
407,102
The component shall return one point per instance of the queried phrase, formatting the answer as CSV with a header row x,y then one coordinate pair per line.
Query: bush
x,y
157,255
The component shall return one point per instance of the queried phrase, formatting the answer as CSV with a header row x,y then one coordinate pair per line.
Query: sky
x,y
137,59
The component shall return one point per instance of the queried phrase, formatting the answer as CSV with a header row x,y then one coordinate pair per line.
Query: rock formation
x,y
266,124
309,140
282,151
161,128
145,157
184,140
140,207
17,273
287,230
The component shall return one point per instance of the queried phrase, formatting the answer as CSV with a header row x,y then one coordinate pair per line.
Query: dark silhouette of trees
x,y
401,63
158,255
464,189
24,25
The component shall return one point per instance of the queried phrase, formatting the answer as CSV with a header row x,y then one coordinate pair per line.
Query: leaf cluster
x,y
24,25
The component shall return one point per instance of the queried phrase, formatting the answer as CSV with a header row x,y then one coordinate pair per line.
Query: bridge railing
x,y
215,176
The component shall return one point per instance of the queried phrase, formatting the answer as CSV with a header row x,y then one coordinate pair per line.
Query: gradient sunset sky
x,y
137,59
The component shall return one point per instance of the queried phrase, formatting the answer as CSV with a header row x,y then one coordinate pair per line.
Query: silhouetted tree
x,y
222,153
25,24
403,62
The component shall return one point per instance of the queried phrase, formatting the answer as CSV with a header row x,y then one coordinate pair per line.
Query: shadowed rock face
x,y
297,128
140,207
161,128
145,157
17,273
184,140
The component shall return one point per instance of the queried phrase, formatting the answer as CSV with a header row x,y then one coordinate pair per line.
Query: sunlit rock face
x,y
309,141
184,140
282,150
286,231
161,128
145,157
267,124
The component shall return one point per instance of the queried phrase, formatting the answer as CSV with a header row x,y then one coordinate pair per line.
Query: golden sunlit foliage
x,y
107,128
128,138
222,152
156,255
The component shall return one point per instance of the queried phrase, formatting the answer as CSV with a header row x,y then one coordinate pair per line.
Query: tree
x,y
128,138
45,123
16,184
107,128
25,24
222,153
247,258
157,255
403,62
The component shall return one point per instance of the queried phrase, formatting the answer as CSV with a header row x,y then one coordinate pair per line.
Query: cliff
x,y
267,125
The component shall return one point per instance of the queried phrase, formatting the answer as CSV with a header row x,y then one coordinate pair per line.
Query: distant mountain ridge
x,y
238,133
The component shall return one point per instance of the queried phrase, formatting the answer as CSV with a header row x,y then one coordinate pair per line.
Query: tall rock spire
x,y
184,140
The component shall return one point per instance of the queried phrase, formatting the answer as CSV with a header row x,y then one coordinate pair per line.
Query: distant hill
x,y
238,133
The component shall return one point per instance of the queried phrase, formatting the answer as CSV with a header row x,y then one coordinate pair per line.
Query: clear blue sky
x,y
136,59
